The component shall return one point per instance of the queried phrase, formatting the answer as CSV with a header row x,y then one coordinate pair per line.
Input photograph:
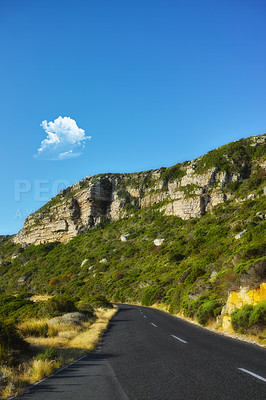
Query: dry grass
x,y
70,342
88,339
39,297
40,369
38,328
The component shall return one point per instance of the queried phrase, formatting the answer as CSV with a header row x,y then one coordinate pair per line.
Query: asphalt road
x,y
147,354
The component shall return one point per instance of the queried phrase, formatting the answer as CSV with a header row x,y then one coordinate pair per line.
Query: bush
x,y
11,343
240,318
175,299
209,309
16,308
86,308
172,173
99,301
249,317
258,314
48,354
150,295
58,305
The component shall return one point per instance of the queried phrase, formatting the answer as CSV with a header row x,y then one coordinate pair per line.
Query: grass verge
x,y
66,344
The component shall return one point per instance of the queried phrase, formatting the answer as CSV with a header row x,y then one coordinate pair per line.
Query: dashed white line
x,y
177,338
154,325
252,373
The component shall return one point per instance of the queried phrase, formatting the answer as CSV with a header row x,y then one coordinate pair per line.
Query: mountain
x,y
187,190
190,238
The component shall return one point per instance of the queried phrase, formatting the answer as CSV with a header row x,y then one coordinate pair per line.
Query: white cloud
x,y
64,139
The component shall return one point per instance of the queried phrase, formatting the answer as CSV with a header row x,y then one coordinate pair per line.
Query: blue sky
x,y
153,82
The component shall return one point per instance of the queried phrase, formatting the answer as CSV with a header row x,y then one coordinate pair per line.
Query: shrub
x,y
240,318
150,295
86,308
172,173
58,305
194,272
16,308
11,342
48,354
99,301
258,314
175,299
209,309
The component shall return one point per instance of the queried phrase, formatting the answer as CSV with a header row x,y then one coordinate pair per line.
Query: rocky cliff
x,y
187,190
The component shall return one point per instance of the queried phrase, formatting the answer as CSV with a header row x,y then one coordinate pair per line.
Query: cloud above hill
x,y
64,139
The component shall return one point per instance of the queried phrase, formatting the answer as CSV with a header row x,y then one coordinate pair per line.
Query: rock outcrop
x,y
237,300
187,190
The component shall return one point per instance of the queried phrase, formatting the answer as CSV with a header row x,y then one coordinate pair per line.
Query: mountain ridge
x,y
186,190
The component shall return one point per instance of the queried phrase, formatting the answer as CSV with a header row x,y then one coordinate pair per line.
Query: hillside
x,y
186,190
187,237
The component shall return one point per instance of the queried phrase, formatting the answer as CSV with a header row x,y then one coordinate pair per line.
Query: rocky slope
x,y
186,190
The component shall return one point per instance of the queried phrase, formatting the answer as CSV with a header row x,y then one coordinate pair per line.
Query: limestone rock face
x,y
187,190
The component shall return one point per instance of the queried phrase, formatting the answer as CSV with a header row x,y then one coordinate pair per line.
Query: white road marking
x,y
252,373
177,338
154,325
144,316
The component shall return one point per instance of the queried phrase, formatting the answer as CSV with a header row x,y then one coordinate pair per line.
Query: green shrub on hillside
x,y
17,307
240,318
98,301
248,317
208,310
58,305
239,152
11,343
172,173
258,314
150,295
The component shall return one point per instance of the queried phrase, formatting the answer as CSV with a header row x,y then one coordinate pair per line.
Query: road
x,y
147,354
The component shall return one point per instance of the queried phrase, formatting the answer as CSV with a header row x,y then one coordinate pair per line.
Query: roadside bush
x,y
150,295
249,317
48,354
258,314
209,309
175,299
86,308
58,305
11,343
16,308
99,301
240,318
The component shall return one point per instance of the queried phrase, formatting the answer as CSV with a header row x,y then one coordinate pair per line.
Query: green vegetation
x,y
208,310
173,173
192,271
48,354
249,318
235,157
11,343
